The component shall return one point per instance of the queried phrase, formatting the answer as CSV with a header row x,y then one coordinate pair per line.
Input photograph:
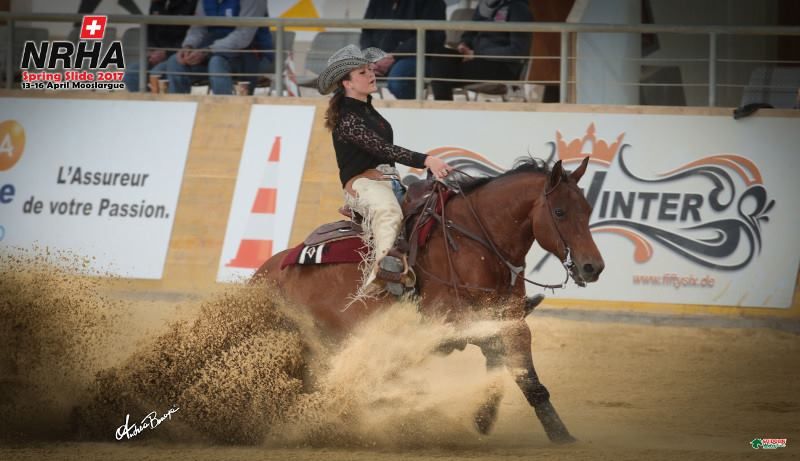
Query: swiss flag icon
x,y
93,27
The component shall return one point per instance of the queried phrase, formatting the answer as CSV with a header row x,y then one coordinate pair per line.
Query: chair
x,y
453,37
322,47
500,89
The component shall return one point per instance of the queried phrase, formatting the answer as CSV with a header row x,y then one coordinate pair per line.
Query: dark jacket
x,y
363,139
403,41
501,43
169,36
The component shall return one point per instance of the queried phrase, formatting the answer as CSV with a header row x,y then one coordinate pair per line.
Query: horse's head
x,y
561,224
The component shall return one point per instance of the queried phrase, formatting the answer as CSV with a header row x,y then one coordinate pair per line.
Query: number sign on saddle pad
x,y
346,250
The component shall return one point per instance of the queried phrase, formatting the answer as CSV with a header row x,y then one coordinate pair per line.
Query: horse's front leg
x,y
516,339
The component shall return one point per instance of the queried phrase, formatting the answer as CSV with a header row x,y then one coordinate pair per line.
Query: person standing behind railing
x,y
475,43
159,36
402,41
231,49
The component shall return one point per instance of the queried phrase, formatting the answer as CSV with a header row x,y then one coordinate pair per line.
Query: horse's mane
x,y
521,165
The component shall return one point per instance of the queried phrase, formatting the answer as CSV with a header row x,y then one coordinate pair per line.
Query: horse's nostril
x,y
588,268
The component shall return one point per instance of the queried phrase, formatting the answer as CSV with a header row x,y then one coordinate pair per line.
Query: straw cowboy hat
x,y
343,62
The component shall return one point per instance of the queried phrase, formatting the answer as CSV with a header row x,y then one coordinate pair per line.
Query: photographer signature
x,y
151,421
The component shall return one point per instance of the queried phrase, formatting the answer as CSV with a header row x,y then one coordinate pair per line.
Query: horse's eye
x,y
559,213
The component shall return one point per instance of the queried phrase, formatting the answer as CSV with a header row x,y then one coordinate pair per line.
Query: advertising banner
x,y
267,187
686,209
97,179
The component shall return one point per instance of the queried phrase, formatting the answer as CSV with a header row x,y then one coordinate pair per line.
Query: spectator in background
x,y
161,37
226,45
402,41
465,64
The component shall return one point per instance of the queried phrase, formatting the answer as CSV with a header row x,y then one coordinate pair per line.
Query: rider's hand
x,y
437,166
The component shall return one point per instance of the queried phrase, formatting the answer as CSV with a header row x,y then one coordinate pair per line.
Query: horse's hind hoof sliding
x,y
553,426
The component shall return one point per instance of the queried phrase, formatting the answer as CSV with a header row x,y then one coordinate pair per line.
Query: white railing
x,y
421,26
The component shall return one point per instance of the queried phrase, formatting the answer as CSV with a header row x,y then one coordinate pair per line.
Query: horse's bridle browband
x,y
487,242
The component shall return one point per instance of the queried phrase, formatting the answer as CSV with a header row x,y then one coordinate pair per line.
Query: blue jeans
x,y
131,77
403,67
399,190
218,63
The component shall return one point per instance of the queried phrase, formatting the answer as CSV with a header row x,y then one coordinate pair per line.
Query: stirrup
x,y
391,269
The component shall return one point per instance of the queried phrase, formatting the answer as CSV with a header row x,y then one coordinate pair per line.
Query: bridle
x,y
485,239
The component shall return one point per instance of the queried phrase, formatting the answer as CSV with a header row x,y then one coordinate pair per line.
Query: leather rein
x,y
484,239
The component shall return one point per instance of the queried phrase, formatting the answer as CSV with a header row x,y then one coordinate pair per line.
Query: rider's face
x,y
362,82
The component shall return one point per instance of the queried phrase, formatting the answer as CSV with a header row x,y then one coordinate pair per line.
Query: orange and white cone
x,y
256,244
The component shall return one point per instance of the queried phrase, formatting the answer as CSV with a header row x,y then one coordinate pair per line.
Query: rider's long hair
x,y
332,114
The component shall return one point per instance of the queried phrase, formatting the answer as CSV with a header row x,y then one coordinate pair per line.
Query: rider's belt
x,y
380,173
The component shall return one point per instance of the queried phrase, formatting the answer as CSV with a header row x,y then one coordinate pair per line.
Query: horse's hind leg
x,y
519,360
486,415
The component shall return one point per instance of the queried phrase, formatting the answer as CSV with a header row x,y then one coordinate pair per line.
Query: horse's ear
x,y
555,174
578,174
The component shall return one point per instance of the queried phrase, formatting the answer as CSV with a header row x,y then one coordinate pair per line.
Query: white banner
x,y
267,187
687,209
97,179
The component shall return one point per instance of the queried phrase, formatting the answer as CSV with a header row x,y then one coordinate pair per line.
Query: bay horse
x,y
474,262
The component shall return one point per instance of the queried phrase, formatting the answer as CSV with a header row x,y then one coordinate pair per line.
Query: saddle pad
x,y
347,250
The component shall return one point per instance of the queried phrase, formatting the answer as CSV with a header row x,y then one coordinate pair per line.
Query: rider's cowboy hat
x,y
343,62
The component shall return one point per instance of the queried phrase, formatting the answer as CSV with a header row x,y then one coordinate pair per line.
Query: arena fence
x,y
567,33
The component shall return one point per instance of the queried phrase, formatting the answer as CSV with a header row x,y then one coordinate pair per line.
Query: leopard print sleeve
x,y
352,129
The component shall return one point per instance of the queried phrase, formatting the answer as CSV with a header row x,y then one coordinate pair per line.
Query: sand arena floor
x,y
626,390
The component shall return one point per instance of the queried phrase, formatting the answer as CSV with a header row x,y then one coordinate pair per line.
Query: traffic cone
x,y
256,244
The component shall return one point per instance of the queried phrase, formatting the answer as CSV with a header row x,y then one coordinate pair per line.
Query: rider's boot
x,y
392,269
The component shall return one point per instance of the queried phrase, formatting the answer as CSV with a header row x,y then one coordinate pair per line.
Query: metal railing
x,y
421,27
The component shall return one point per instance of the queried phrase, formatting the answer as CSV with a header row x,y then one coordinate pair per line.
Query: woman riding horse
x,y
471,267
366,156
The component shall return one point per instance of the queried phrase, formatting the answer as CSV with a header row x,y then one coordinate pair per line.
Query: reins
x,y
486,240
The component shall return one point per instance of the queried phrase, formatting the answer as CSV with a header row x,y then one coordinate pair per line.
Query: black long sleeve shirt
x,y
363,139
403,41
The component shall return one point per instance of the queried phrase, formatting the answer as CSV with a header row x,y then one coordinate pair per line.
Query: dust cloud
x,y
248,369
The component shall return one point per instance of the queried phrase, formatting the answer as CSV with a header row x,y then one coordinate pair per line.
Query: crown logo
x,y
599,149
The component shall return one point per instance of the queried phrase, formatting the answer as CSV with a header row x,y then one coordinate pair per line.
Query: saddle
x,y
417,195
333,231
332,241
